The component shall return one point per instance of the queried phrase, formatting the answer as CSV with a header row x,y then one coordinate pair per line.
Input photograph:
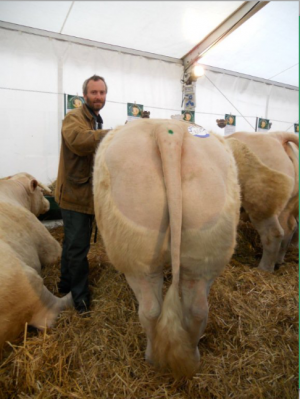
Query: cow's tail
x,y
285,138
172,346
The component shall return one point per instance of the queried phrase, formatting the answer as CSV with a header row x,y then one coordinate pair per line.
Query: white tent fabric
x,y
36,71
219,94
267,45
139,25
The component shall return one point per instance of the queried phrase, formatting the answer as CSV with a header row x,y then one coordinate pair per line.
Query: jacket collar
x,y
97,118
88,112
98,121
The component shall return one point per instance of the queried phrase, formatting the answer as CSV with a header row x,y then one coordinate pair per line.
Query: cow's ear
x,y
33,185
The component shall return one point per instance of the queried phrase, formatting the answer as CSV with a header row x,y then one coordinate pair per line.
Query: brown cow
x,y
269,178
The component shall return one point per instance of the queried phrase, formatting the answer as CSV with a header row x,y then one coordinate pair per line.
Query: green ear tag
x,y
170,131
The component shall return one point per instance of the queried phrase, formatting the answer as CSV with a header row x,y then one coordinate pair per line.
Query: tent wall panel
x,y
218,94
37,71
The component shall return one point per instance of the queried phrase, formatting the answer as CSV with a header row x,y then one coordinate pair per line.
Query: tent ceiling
x,y
169,28
265,46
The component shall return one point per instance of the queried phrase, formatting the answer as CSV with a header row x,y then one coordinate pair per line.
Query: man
x,y
81,134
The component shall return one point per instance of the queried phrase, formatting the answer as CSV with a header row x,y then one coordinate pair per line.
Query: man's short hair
x,y
95,78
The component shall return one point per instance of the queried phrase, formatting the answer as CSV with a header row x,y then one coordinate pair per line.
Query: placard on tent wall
x,y
249,98
134,111
37,71
72,101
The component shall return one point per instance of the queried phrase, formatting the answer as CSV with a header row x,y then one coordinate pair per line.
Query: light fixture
x,y
198,70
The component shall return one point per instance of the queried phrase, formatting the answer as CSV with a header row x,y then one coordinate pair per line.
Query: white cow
x,y
24,190
23,297
163,195
21,200
25,245
269,178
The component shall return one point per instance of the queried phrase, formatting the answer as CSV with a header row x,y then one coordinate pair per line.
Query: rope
x,y
292,125
229,101
67,17
152,107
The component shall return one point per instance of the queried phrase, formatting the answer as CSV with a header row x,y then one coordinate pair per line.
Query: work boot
x,y
82,308
63,289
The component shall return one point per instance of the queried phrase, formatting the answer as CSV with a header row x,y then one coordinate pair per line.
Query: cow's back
x,y
130,191
268,150
135,172
205,167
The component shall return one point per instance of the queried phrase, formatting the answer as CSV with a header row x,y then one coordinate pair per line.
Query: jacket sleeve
x,y
79,138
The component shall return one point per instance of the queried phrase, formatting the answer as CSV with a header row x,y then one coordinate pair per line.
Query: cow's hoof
x,y
277,266
149,357
269,269
149,360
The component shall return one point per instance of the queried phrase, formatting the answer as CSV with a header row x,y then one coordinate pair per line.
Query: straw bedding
x,y
249,349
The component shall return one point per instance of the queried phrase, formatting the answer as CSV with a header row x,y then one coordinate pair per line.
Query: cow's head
x,y
39,204
33,190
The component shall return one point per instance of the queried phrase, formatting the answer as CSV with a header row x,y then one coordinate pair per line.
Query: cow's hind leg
x,y
148,291
295,239
271,235
289,225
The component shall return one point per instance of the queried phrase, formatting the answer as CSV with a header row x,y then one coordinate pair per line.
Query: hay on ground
x,y
249,349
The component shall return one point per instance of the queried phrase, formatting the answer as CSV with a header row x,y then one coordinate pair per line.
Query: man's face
x,y
263,124
188,117
96,95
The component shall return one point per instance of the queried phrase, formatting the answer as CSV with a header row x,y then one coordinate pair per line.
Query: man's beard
x,y
96,107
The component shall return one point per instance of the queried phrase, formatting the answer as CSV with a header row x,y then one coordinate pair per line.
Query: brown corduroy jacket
x,y
74,190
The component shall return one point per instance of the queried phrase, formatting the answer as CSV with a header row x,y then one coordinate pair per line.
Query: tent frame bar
x,y
236,19
245,76
86,42
90,43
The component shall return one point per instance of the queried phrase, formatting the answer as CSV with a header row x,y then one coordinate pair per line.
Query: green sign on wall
x,y
134,110
72,102
231,119
263,124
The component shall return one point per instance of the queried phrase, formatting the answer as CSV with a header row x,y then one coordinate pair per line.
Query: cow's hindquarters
x,y
138,185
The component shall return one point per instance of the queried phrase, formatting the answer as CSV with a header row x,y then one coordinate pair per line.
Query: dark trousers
x,y
74,262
